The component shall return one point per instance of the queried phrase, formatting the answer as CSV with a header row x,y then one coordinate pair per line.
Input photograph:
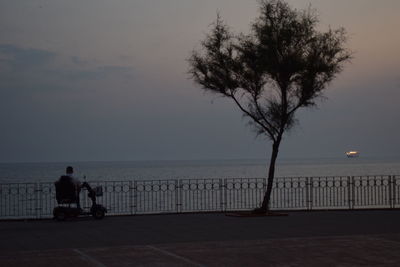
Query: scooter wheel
x,y
98,214
60,216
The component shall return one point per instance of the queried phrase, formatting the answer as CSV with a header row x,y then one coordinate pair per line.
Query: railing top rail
x,y
213,179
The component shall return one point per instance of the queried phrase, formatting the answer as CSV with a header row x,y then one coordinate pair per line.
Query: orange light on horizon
x,y
352,153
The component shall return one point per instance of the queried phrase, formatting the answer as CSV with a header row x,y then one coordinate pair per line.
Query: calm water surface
x,y
154,170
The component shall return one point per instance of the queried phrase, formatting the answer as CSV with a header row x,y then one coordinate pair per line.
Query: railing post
x,y
390,185
37,202
223,194
265,181
309,195
135,193
392,188
130,196
178,196
394,191
351,191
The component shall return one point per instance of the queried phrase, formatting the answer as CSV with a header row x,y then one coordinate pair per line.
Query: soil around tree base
x,y
255,214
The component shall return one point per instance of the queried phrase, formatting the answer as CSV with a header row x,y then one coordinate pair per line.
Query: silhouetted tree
x,y
284,64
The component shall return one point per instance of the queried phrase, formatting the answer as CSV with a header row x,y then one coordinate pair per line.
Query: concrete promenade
x,y
330,238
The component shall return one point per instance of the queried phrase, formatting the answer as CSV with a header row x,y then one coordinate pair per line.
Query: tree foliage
x,y
283,64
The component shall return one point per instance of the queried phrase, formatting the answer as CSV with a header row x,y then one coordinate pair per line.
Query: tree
x,y
282,65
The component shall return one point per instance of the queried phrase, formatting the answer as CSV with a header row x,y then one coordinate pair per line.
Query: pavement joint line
x,y
88,258
165,252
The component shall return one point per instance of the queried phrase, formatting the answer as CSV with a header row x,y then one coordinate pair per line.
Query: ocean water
x,y
201,169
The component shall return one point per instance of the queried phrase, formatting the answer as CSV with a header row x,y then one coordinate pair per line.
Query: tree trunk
x,y
271,174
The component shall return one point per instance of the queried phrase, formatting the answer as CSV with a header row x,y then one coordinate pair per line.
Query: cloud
x,y
37,69
98,73
18,59
50,102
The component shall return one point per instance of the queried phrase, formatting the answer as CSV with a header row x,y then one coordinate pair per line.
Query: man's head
x,y
69,170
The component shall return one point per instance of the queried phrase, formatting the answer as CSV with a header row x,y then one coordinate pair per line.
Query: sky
x,y
99,80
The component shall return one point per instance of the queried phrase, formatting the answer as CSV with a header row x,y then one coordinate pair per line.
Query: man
x,y
69,178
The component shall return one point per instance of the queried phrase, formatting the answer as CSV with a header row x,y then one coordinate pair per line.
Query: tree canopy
x,y
282,65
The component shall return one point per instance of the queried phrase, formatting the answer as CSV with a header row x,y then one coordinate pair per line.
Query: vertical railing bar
x,y
366,192
372,190
234,196
353,195
37,200
394,178
135,197
349,183
319,189
192,196
130,196
180,189
177,190
19,200
223,183
326,195
308,200
391,191
314,191
362,191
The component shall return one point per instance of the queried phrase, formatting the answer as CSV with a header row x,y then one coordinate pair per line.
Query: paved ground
x,y
340,238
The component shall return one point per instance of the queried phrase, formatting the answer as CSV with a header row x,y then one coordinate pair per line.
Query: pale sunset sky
x,y
107,80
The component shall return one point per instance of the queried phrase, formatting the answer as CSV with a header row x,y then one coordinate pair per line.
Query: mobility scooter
x,y
68,198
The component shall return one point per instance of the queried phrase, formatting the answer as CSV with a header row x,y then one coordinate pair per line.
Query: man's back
x,y
66,190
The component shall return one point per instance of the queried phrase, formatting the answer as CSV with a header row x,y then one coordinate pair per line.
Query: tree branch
x,y
258,108
257,121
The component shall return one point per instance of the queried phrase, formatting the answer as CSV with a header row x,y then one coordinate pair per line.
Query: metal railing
x,y
37,200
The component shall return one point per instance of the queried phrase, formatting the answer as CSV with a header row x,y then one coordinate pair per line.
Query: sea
x,y
197,169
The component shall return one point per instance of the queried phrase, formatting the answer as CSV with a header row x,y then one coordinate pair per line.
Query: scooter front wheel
x,y
60,216
98,214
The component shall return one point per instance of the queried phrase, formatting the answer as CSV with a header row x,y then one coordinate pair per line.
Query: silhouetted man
x,y
69,173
